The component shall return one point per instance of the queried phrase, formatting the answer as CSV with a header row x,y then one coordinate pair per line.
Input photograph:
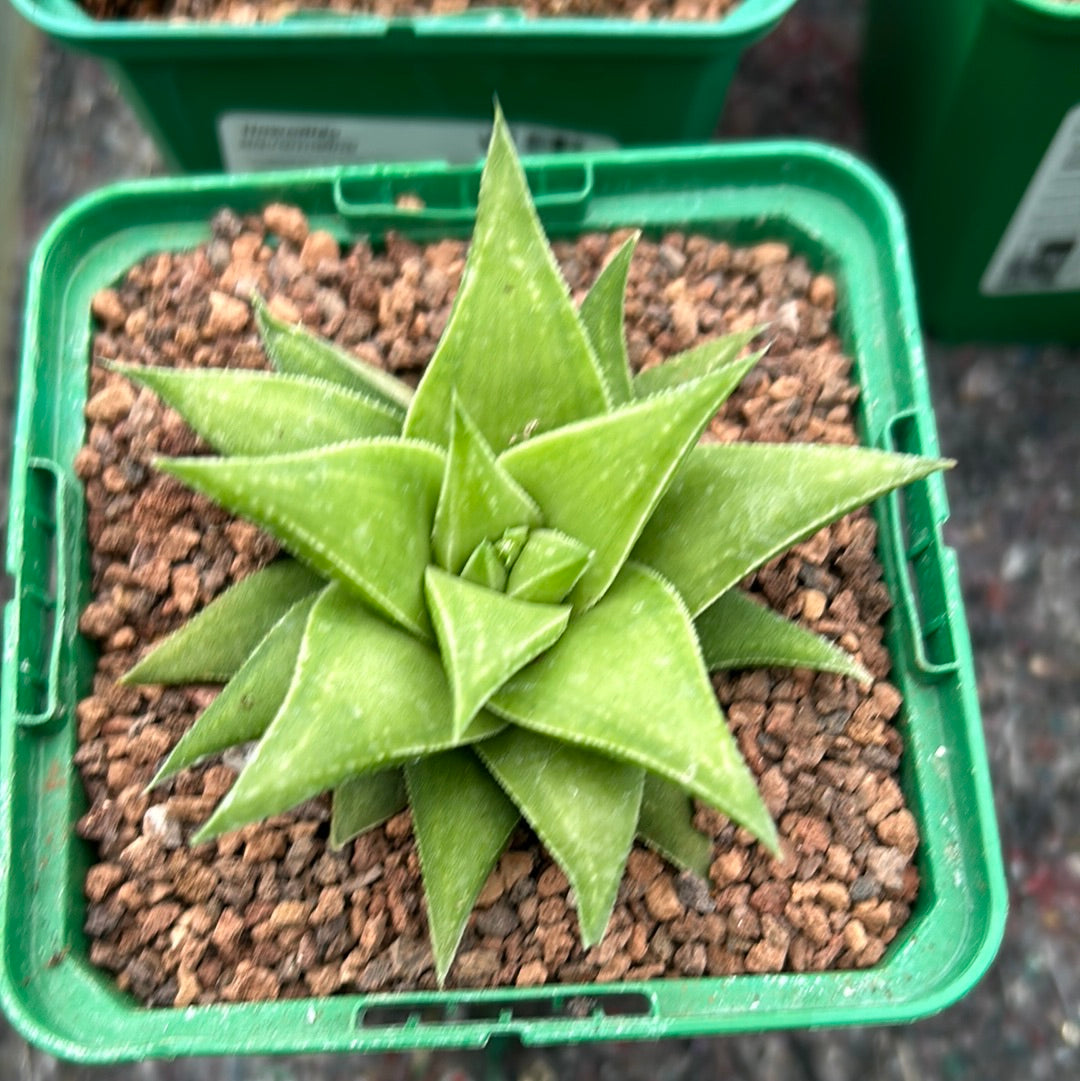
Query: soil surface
x,y
252,11
269,911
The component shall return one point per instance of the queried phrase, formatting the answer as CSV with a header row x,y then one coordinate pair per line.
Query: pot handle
x,y
478,17
914,517
561,191
38,613
487,1018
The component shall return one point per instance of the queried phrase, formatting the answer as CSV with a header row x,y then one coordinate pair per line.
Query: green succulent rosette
x,y
506,589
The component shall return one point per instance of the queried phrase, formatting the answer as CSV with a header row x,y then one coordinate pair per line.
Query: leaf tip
x,y
208,831
159,778
592,932
140,374
701,863
265,320
497,109
443,964
860,673
767,834
219,822
185,469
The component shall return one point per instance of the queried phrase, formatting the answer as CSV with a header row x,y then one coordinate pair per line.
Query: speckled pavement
x,y
1009,416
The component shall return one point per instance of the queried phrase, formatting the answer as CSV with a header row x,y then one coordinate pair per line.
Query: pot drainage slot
x,y
504,1012
36,589
916,520
561,192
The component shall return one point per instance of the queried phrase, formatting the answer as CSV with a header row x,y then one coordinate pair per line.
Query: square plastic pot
x,y
320,88
830,209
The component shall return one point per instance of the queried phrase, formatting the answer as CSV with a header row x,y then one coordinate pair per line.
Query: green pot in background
x,y
322,88
973,113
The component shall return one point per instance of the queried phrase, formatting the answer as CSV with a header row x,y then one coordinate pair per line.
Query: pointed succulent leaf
x,y
246,412
297,351
666,825
364,802
514,347
212,645
694,363
623,462
736,505
736,632
250,700
602,313
373,694
508,546
550,565
359,512
462,820
485,568
485,637
582,805
479,499
619,667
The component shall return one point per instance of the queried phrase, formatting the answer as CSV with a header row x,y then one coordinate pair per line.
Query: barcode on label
x,y
1040,250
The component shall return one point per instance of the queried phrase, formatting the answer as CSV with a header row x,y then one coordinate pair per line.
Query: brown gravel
x,y
252,11
269,911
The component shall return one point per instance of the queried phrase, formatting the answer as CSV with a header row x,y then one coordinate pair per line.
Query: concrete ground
x,y
1007,414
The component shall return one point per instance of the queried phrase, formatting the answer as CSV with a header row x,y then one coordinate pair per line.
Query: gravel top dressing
x,y
252,11
270,911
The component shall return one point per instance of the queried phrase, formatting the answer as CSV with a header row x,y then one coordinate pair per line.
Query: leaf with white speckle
x,y
736,632
462,820
485,568
485,637
364,802
211,646
602,313
694,363
297,351
627,679
508,547
249,701
373,693
244,412
479,500
514,348
622,462
666,825
736,505
360,513
550,565
583,806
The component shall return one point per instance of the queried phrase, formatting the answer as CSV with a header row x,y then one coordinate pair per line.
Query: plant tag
x,y
254,141
1040,251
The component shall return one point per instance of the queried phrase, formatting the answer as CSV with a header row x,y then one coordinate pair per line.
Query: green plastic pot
x,y
828,207
270,95
973,113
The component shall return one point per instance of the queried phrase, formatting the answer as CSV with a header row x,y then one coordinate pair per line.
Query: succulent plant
x,y
506,589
